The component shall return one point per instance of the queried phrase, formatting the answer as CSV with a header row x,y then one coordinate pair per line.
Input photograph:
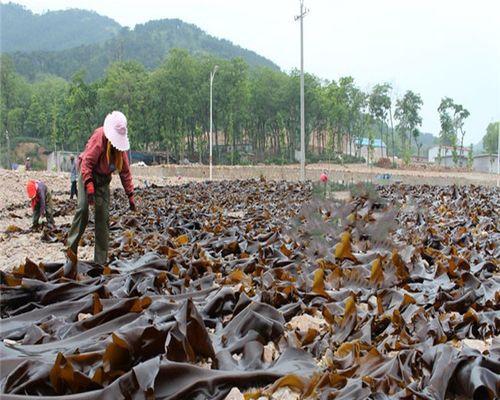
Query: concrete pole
x,y
210,134
302,108
303,12
212,74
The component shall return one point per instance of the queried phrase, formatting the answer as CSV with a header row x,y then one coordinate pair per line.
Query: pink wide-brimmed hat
x,y
115,130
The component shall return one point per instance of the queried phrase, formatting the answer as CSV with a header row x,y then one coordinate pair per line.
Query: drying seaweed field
x,y
262,289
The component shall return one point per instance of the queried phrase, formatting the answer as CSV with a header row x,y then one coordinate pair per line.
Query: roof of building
x,y
366,142
450,147
494,155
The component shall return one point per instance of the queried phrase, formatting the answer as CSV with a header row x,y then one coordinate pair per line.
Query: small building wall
x,y
377,153
485,163
447,161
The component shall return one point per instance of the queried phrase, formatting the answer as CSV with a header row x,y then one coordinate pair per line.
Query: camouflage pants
x,y
80,221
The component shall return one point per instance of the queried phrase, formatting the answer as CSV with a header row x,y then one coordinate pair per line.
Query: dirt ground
x,y
417,172
15,212
347,172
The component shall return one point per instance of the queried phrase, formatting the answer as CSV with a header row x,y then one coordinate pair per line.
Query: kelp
x,y
257,285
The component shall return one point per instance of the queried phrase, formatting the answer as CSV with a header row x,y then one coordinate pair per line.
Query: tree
x,y
124,89
168,109
452,117
380,103
51,91
470,157
458,121
36,120
15,94
232,101
490,140
173,89
81,115
408,115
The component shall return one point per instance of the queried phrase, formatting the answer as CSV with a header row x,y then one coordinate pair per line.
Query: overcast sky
x,y
436,48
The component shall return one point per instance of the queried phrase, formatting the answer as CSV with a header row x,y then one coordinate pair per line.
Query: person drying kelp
x,y
104,154
41,202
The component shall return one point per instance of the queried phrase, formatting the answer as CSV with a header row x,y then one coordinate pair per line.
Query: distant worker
x,y
324,179
105,153
73,179
41,202
27,164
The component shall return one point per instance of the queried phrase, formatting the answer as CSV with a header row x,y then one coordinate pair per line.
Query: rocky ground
x,y
16,214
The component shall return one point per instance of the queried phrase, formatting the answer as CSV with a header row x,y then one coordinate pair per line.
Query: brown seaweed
x,y
380,297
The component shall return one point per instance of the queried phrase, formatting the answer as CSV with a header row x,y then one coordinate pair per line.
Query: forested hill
x,y
147,43
22,30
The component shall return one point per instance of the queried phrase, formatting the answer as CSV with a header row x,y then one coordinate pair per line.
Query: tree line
x,y
256,111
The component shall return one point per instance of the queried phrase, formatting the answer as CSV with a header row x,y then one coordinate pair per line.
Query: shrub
x,y
384,162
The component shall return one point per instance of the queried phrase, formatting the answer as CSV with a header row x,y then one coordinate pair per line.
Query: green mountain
x,y
147,43
22,30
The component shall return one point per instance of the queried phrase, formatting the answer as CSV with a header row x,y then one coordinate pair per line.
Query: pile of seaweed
x,y
259,286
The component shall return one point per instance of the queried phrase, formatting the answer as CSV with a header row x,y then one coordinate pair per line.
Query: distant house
x,y
485,163
379,149
447,161
435,154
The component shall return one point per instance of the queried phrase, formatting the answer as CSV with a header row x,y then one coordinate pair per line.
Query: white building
x,y
445,151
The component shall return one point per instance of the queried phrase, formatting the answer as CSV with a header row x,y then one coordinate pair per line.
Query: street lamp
x,y
212,74
303,12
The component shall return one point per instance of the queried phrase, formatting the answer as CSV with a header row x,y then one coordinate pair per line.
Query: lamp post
x,y
212,74
301,16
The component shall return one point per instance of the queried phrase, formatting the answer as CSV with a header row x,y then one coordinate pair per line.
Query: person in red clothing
x,y
41,202
105,153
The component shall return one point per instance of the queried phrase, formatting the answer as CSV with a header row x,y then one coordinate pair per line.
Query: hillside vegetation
x,y
63,42
22,30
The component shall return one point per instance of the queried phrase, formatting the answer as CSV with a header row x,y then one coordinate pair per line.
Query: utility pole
x,y
301,16
392,134
212,74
